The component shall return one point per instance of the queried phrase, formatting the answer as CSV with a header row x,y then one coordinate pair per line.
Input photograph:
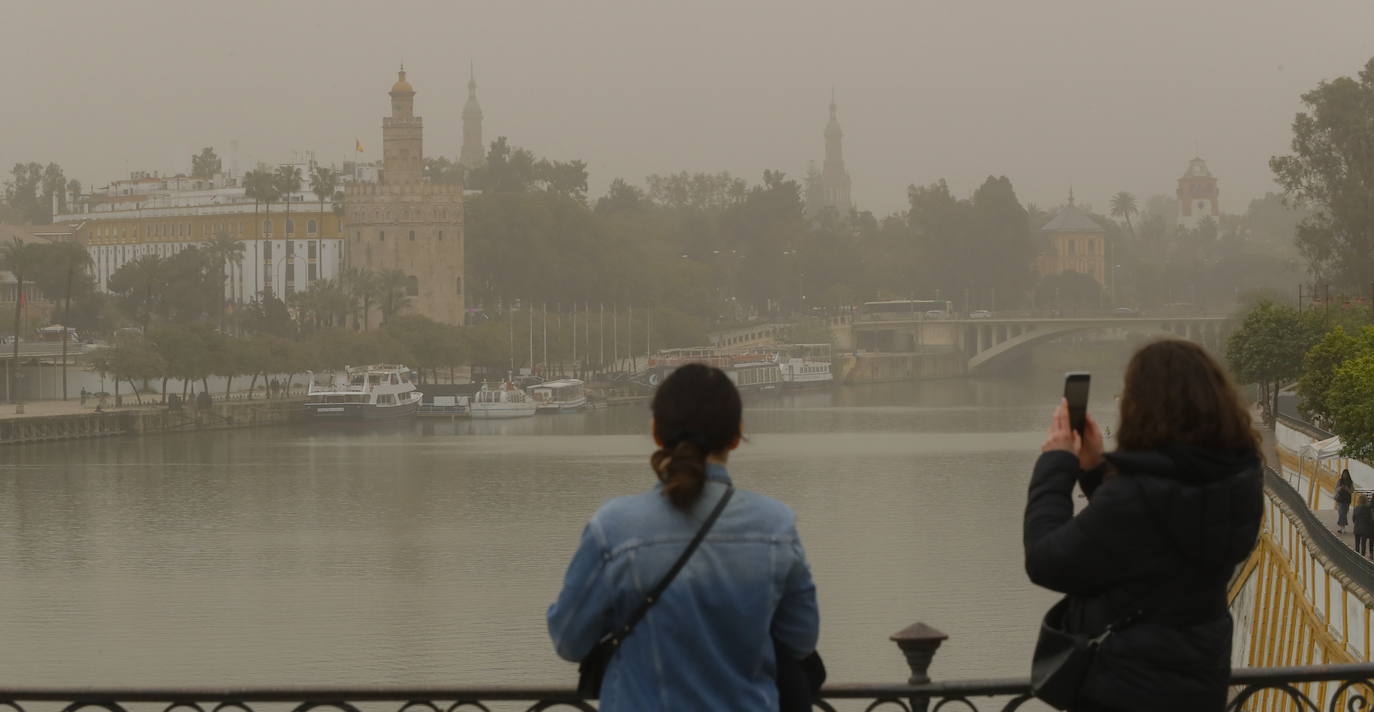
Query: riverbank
x,y
45,421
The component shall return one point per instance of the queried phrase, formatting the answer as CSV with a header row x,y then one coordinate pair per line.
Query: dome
x,y
402,86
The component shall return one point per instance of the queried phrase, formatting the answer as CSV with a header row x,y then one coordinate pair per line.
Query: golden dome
x,y
402,86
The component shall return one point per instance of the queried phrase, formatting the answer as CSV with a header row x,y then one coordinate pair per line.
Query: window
x,y
460,286
412,286
441,234
313,272
310,227
267,226
290,248
381,235
412,236
314,249
290,227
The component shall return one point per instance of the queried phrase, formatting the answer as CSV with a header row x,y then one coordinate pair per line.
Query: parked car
x,y
936,314
1125,311
980,314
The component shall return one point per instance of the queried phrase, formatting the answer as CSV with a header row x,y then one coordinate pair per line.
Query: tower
x,y
830,187
473,154
402,132
404,229
1197,195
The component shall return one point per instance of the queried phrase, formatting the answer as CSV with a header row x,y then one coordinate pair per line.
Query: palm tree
x,y
148,278
323,182
74,257
391,287
288,182
226,252
1123,206
20,258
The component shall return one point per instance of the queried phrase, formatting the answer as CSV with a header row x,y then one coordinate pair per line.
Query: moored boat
x,y
806,366
756,375
378,392
565,395
505,400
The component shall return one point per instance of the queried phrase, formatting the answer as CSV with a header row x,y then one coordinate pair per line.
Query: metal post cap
x,y
918,642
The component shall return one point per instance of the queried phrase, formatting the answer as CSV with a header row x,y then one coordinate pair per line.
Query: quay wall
x,y
851,368
219,416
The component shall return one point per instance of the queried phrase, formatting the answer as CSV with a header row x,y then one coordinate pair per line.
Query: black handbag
x,y
1062,659
798,680
592,669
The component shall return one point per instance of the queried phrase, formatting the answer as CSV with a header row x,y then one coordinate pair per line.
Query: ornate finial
x,y
1070,194
472,77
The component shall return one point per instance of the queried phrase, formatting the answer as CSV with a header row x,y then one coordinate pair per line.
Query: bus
x,y
907,309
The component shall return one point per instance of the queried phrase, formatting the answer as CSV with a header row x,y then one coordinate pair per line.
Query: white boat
x,y
501,401
565,395
806,366
756,375
379,392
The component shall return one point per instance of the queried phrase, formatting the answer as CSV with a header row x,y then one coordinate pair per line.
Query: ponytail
x,y
683,472
696,414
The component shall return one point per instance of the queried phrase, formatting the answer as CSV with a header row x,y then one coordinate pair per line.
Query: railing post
x,y
918,642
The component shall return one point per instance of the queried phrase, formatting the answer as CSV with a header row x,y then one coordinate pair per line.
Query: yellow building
x,y
149,215
1073,242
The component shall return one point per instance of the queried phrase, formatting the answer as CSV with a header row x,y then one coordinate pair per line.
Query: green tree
x,y
1351,402
1331,170
362,287
1123,207
132,358
21,259
1070,290
205,164
287,180
74,260
323,182
393,291
1320,365
1268,347
226,252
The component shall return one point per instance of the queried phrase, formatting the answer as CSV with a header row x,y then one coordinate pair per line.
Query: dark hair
x,y
696,413
1176,393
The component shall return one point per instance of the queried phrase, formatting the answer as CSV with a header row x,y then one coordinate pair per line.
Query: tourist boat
x,y
379,392
566,395
444,407
502,401
756,375
806,366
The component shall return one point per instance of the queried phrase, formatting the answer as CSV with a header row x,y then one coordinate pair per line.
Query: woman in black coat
x,y
1170,515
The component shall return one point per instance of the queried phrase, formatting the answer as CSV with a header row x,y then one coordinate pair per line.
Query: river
x,y
427,554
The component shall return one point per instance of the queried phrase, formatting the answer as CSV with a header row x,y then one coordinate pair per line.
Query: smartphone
x,y
1076,393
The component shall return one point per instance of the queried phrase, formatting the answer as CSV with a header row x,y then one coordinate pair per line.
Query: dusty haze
x,y
1104,95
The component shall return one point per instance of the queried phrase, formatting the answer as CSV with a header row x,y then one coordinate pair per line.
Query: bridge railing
x,y
1359,569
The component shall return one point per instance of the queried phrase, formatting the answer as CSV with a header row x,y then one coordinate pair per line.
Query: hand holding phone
x,y
1076,393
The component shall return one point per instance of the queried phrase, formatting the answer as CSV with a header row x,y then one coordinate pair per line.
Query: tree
x,y
20,258
131,358
362,288
73,258
1268,348
392,286
141,283
287,181
1320,365
323,182
1123,206
1351,399
205,164
1069,290
226,252
1331,170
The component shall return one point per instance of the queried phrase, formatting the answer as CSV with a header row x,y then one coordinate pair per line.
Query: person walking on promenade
x,y
1345,490
1145,565
708,641
1363,519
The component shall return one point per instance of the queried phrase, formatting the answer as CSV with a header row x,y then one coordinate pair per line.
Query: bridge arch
x,y
991,343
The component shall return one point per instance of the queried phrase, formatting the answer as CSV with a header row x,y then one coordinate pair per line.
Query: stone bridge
x,y
985,342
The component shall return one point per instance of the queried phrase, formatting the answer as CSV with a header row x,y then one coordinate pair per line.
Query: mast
x,y
574,339
630,335
615,334
545,362
510,318
601,335
648,333
531,337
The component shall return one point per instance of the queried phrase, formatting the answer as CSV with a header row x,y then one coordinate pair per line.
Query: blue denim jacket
x,y
707,643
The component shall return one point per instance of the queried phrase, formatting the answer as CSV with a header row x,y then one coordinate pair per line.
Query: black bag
x,y
798,680
1062,659
592,669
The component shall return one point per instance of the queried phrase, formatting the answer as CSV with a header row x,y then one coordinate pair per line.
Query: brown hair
x,y
697,412
1176,393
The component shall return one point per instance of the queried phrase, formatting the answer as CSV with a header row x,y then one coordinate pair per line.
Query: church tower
x,y
830,187
473,154
404,228
1197,195
402,133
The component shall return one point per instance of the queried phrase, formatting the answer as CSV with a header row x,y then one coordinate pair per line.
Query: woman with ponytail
x,y
708,641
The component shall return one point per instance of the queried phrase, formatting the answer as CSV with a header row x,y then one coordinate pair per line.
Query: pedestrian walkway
x,y
38,409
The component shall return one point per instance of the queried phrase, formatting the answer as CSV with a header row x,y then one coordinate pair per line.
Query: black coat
x,y
1163,534
1363,519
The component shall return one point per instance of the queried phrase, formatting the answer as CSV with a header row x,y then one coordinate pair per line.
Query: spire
x,y
472,78
472,153
1070,194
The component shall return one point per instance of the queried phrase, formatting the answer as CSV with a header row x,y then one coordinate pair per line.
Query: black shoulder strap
x,y
654,595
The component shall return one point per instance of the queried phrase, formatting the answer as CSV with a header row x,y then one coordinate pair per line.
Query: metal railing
x,y
1319,535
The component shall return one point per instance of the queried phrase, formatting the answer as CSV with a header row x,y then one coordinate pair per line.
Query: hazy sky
x,y
1104,95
